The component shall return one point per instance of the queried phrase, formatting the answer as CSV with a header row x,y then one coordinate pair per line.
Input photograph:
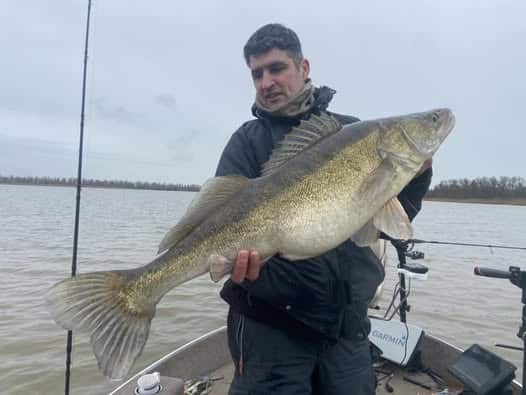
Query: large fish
x,y
323,184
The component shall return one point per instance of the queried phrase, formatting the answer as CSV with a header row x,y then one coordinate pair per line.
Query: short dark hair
x,y
274,36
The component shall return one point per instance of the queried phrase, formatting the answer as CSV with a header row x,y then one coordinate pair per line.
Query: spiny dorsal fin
x,y
301,137
214,193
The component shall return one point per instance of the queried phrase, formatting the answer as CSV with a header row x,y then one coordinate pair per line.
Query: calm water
x,y
121,229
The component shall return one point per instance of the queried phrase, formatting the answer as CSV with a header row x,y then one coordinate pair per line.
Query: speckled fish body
x,y
324,184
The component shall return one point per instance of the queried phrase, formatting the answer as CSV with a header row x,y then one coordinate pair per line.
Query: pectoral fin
x,y
390,219
367,235
374,186
393,220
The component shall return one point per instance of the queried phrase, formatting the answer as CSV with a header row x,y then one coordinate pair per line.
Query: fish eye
x,y
435,116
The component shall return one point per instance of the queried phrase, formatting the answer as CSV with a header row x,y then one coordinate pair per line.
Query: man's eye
x,y
275,69
257,74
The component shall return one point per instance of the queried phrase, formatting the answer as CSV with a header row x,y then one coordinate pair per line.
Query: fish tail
x,y
102,304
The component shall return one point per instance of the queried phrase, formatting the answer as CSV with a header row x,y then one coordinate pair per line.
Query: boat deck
x,y
209,356
398,383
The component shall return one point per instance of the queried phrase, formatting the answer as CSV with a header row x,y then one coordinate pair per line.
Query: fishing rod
x,y
69,344
404,249
411,242
419,241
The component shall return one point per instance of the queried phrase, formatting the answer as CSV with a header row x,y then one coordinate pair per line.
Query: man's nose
x,y
267,81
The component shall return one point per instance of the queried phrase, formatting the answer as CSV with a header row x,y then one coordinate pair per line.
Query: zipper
x,y
240,336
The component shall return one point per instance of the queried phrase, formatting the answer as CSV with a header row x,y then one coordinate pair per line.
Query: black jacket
x,y
310,296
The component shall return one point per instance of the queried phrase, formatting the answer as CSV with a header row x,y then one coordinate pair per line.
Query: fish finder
x,y
482,371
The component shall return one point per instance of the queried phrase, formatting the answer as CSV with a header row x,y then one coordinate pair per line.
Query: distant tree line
x,y
62,181
481,188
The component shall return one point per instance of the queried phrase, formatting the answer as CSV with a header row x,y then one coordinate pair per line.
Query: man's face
x,y
276,77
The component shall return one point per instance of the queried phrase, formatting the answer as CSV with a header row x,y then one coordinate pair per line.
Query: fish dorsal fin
x,y
214,193
301,137
390,219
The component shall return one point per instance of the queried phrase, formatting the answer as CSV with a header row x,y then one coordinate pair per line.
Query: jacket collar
x,y
322,97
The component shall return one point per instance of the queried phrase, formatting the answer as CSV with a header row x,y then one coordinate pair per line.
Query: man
x,y
297,327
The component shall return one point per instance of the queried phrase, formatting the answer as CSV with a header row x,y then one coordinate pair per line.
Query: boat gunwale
x,y
150,368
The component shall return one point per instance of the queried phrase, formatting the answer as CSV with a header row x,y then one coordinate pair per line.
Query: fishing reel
x,y
405,249
414,254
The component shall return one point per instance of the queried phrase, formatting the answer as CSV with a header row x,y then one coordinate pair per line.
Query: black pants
x,y
270,361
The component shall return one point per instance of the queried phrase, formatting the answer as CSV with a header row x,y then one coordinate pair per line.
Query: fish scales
x,y
296,202
318,189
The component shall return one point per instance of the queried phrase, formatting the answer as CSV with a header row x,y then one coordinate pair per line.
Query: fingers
x,y
240,267
247,265
426,165
254,265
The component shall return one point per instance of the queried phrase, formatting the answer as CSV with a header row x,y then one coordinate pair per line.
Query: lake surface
x,y
121,229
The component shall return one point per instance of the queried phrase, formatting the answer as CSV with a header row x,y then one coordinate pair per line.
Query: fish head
x,y
411,139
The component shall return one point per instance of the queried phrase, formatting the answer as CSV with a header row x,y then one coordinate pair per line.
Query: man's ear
x,y
305,69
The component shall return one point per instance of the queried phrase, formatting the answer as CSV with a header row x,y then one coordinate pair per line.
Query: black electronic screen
x,y
481,370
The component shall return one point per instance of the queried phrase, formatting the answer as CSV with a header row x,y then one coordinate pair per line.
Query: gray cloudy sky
x,y
167,84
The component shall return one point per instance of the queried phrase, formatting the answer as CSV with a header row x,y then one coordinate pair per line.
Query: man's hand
x,y
426,165
247,266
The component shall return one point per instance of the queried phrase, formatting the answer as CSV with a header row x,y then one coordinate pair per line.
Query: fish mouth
x,y
445,119
448,120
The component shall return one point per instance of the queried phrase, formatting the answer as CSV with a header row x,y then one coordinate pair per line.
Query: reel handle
x,y
488,272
